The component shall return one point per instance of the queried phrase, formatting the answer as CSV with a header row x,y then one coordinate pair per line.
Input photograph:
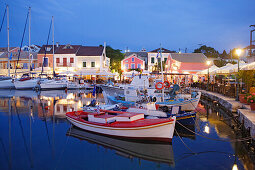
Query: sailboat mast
x,y
8,39
162,72
29,39
53,49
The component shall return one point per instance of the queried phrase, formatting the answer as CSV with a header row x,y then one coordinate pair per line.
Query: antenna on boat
x,y
162,72
29,39
8,38
53,48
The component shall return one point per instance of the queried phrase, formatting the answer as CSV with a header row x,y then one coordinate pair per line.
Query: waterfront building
x,y
133,61
22,65
154,57
92,59
251,58
186,63
74,59
143,55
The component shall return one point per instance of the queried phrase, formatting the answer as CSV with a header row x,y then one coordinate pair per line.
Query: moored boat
x,y
26,82
6,83
124,124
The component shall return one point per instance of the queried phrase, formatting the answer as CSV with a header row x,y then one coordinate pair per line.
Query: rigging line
x,y
21,42
23,135
5,152
61,154
3,19
239,140
184,142
46,46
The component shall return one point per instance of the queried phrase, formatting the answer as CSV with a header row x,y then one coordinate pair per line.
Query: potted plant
x,y
242,96
251,100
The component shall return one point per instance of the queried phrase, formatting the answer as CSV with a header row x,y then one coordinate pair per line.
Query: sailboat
x,y
7,82
56,82
26,81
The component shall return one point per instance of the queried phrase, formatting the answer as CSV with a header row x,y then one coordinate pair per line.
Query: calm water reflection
x,y
35,135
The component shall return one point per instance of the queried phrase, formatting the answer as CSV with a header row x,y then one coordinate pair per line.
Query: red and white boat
x,y
124,124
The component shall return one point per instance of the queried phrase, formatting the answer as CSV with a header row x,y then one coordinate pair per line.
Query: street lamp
x,y
208,62
238,52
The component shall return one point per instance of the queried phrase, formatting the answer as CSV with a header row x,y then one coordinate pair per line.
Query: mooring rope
x,y
235,140
184,142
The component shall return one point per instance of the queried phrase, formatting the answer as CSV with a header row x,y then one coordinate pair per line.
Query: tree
x,y
116,56
207,51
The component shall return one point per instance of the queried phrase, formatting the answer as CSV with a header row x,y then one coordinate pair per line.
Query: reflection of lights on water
x,y
79,104
48,103
70,96
88,102
235,167
217,113
207,129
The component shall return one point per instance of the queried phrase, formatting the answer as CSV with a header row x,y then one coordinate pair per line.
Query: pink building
x,y
187,63
132,62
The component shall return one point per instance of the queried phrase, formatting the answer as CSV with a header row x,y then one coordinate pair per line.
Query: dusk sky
x,y
136,24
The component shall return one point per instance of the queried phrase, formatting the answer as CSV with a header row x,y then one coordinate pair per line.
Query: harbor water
x,y
36,135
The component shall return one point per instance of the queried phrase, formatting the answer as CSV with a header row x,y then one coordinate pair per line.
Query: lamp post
x,y
208,62
238,52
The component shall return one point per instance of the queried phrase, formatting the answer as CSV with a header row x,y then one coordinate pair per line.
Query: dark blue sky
x,y
222,24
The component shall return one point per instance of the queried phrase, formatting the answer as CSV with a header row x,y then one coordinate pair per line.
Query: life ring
x,y
158,84
168,84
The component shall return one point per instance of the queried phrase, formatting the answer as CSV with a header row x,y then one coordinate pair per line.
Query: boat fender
x,y
159,88
166,84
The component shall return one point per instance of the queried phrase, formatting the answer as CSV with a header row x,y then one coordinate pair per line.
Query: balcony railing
x,y
65,64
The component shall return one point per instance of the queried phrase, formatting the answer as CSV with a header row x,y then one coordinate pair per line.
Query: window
x,y
133,59
84,64
48,48
126,66
93,64
152,60
25,66
57,60
139,66
132,66
71,60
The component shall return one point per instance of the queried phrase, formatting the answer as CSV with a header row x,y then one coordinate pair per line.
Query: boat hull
x,y
53,85
28,84
160,132
7,84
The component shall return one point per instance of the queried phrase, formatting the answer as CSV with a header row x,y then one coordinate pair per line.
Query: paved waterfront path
x,y
245,115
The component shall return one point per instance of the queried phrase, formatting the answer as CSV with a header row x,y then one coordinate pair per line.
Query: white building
x,y
154,57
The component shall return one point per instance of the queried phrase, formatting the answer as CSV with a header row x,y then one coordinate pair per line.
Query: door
x,y
46,62
64,62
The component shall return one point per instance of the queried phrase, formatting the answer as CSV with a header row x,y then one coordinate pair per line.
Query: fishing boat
x,y
151,151
187,104
124,124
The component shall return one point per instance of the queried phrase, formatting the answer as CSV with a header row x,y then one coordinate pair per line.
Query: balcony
x,y
65,65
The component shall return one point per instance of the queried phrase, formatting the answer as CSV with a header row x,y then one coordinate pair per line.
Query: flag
x,y
94,91
10,57
157,55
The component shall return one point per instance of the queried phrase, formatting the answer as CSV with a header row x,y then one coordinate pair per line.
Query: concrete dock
x,y
245,115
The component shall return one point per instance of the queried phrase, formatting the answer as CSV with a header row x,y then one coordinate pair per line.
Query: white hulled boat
x,y
6,83
26,82
46,84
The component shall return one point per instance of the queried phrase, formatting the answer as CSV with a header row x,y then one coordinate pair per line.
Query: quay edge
x,y
245,115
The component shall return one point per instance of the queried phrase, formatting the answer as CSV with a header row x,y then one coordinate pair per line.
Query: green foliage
x,y
248,77
116,56
220,62
207,51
